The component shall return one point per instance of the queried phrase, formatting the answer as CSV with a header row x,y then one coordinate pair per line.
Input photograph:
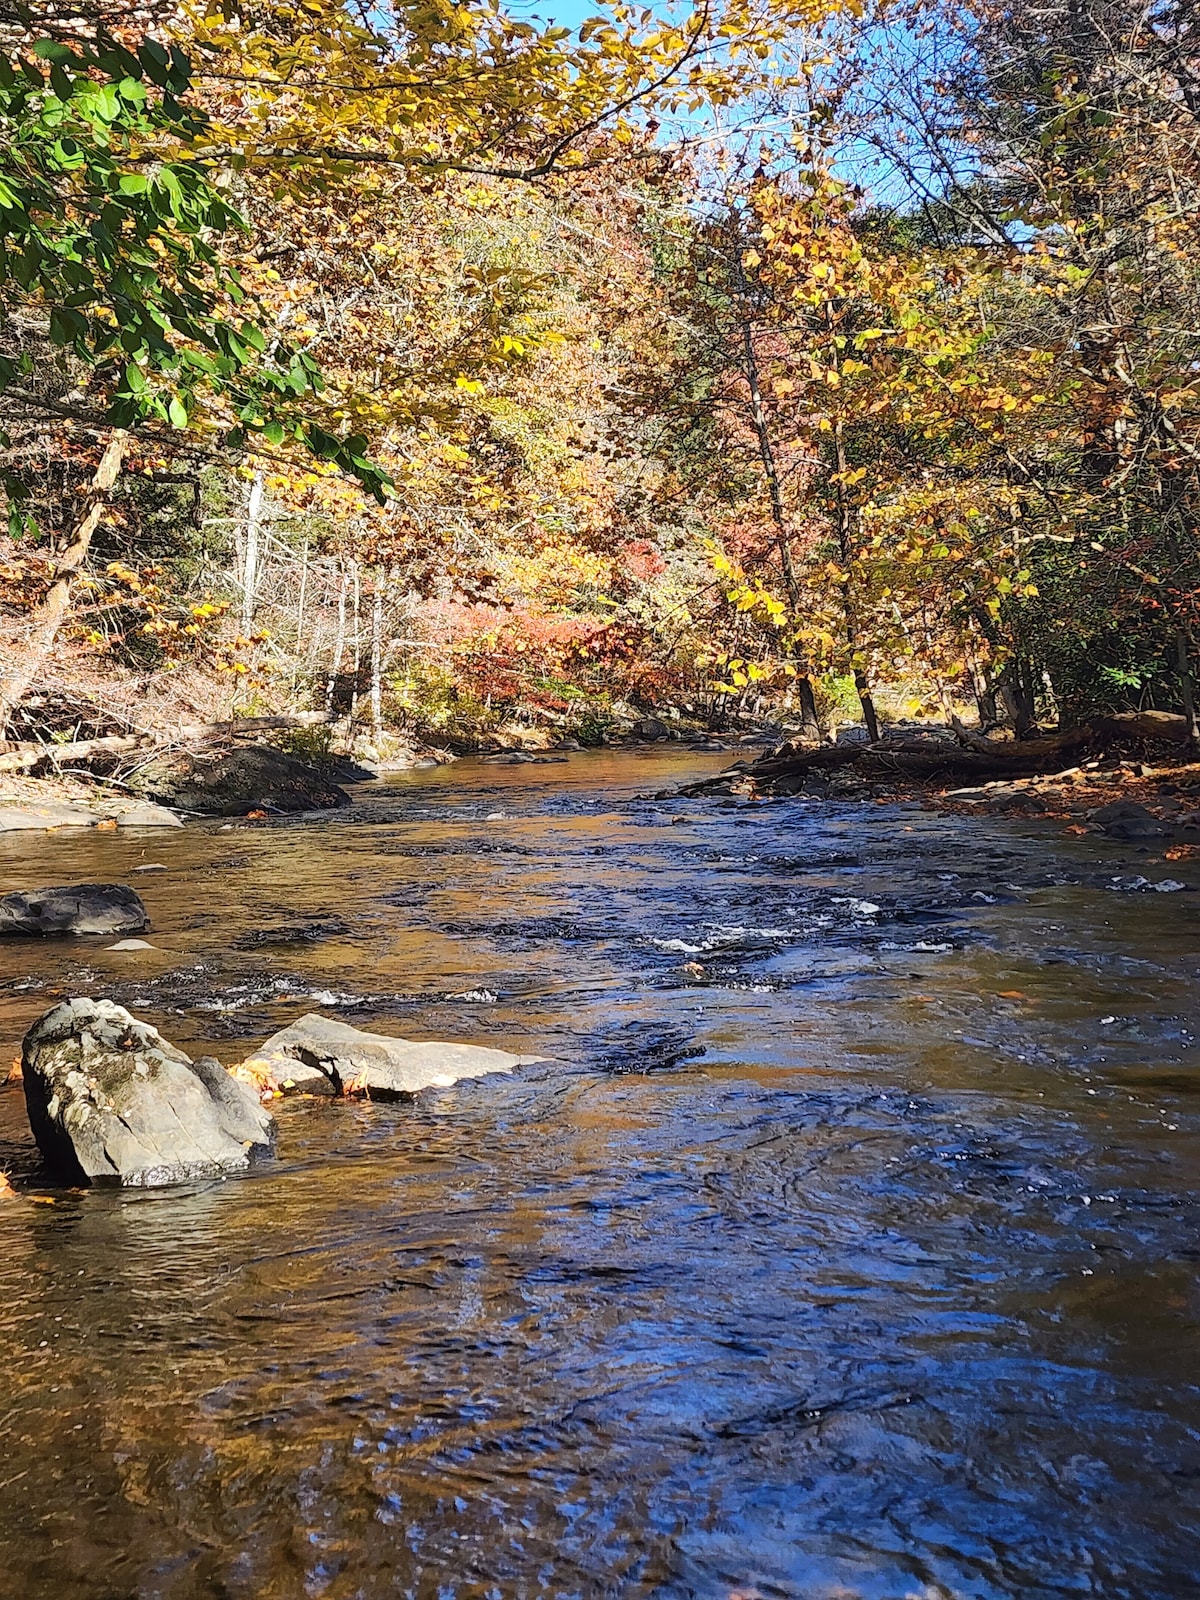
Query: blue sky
x,y
570,13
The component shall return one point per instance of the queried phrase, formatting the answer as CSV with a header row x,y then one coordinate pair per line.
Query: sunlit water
x,y
847,1246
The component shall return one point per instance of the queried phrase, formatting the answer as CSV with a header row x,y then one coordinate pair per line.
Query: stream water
x,y
846,1247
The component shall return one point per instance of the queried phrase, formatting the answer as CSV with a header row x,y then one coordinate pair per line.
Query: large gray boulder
x,y
111,1101
1125,819
317,1055
248,778
73,908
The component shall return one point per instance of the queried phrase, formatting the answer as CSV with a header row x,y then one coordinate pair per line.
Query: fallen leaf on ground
x,y
1012,994
257,1074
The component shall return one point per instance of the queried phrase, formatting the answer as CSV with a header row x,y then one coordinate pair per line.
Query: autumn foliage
x,y
463,371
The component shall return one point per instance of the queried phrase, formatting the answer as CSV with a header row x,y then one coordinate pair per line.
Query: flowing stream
x,y
845,1248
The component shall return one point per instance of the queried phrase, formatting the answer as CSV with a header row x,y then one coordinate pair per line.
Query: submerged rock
x,y
71,909
318,1055
253,778
111,1101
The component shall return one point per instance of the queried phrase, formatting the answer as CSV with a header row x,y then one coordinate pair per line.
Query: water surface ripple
x,y
846,1248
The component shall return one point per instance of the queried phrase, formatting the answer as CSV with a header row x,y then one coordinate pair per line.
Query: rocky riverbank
x,y
1132,778
249,780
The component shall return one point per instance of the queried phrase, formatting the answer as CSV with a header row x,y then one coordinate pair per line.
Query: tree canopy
x,y
759,354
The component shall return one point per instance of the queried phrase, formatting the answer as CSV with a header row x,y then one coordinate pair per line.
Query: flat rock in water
x,y
318,1055
143,814
250,778
132,944
73,909
111,1101
20,818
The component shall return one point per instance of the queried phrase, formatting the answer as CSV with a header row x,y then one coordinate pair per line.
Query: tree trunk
x,y
808,703
300,602
339,644
845,518
1018,702
376,663
356,572
250,560
50,614
1187,683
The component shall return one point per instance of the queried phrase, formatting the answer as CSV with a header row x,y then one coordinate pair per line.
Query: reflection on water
x,y
847,1247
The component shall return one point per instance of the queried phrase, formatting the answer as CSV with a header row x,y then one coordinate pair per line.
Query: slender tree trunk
x,y
250,560
339,644
298,653
845,518
50,614
808,702
376,663
1187,683
356,573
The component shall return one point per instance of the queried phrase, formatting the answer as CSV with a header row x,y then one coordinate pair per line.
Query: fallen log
x,y
26,756
23,757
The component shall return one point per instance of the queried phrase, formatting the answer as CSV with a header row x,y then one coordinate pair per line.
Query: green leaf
x,y
176,414
155,61
61,83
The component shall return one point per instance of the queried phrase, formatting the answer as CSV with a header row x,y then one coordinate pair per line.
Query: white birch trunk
x,y
250,560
